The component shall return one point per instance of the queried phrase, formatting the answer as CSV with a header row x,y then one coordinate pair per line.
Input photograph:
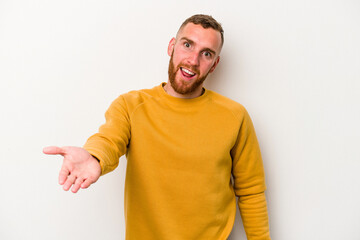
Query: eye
x,y
187,45
207,54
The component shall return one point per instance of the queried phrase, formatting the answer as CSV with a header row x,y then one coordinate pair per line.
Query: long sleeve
x,y
111,142
249,182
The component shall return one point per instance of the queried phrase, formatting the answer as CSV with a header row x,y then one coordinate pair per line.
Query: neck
x,y
197,93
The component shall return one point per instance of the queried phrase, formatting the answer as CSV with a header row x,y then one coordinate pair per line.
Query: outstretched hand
x,y
79,168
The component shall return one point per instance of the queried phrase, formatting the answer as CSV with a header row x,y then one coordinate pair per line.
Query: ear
x,y
215,64
171,46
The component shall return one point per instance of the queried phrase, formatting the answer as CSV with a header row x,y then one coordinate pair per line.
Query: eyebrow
x,y
191,42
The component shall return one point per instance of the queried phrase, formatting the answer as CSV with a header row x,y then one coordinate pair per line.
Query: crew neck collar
x,y
182,101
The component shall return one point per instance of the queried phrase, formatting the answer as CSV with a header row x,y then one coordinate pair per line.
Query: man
x,y
183,143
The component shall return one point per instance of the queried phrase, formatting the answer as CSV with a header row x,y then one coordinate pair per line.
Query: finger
x,y
69,181
53,150
77,185
63,175
86,183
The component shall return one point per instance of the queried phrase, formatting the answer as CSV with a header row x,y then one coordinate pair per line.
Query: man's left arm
x,y
249,182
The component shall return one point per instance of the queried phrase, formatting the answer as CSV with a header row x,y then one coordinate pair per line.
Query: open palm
x,y
79,168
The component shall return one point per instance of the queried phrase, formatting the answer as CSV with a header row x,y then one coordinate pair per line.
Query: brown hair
x,y
206,21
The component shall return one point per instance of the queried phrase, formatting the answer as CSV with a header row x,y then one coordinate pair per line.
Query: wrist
x,y
96,158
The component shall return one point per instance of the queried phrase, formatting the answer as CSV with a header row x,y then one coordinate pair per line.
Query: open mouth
x,y
187,73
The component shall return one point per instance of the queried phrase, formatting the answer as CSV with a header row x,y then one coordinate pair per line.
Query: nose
x,y
193,59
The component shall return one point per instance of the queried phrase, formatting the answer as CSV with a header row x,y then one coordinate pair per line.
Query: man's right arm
x,y
79,168
112,140
100,154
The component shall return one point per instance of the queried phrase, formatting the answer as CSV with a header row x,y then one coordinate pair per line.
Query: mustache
x,y
189,67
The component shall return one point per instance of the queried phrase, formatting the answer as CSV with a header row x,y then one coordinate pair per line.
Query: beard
x,y
181,86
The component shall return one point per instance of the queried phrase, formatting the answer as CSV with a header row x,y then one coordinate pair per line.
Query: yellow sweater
x,y
181,155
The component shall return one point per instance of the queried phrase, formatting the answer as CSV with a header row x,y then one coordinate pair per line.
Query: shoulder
x,y
136,97
227,104
133,99
140,95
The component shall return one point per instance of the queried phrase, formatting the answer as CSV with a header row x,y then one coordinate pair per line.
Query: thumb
x,y
53,150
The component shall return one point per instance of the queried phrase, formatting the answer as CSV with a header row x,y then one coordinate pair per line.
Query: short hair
x,y
206,21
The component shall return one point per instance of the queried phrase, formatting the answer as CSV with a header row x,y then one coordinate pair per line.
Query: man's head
x,y
205,21
194,54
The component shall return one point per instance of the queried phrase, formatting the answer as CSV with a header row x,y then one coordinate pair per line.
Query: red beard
x,y
182,86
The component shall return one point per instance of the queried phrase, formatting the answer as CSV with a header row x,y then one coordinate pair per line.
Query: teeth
x,y
188,71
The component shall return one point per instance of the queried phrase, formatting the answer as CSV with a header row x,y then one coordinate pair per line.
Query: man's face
x,y
194,54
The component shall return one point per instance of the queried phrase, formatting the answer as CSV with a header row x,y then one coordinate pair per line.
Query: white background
x,y
295,65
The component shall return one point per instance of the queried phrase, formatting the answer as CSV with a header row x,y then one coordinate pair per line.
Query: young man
x,y
183,143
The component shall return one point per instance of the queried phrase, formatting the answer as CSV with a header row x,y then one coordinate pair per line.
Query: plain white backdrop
x,y
295,65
